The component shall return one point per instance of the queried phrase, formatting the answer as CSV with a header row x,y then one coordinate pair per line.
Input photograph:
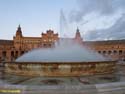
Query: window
x,y
99,51
16,54
114,51
104,52
44,45
12,53
22,52
4,53
109,52
120,52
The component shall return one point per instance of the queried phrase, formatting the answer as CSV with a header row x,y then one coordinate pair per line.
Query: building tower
x,y
19,32
18,38
78,38
78,35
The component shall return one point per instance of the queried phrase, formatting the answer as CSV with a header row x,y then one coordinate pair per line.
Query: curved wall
x,y
60,69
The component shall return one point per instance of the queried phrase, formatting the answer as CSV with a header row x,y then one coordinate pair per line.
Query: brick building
x,y
11,49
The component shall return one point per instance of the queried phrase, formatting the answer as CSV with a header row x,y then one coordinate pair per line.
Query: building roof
x,y
6,42
107,42
31,37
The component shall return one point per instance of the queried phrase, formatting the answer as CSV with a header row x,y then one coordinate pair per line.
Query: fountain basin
x,y
60,68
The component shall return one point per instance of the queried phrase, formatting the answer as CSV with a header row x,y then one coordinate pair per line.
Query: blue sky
x,y
35,16
95,18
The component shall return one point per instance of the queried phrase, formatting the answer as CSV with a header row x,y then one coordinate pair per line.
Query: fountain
x,y
68,68
66,59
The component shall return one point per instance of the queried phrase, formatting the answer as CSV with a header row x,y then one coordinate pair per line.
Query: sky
x,y
96,19
100,19
34,16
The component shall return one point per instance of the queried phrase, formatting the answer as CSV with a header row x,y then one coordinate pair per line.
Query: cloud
x,y
99,19
102,7
116,31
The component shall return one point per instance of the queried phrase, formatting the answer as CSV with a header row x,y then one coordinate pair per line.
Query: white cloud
x,y
99,19
117,31
103,7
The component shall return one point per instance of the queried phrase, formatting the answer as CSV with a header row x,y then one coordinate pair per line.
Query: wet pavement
x,y
88,80
105,84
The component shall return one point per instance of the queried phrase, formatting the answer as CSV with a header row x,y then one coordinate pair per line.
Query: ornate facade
x,y
11,49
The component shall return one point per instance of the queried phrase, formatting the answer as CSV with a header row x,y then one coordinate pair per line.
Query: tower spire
x,y
77,30
78,37
19,31
19,28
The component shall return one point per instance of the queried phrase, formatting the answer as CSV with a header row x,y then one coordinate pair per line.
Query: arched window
x,y
109,52
99,51
120,52
22,52
12,53
44,45
4,53
114,51
16,55
104,52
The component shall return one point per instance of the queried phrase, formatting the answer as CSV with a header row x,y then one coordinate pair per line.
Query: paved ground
x,y
99,84
22,80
